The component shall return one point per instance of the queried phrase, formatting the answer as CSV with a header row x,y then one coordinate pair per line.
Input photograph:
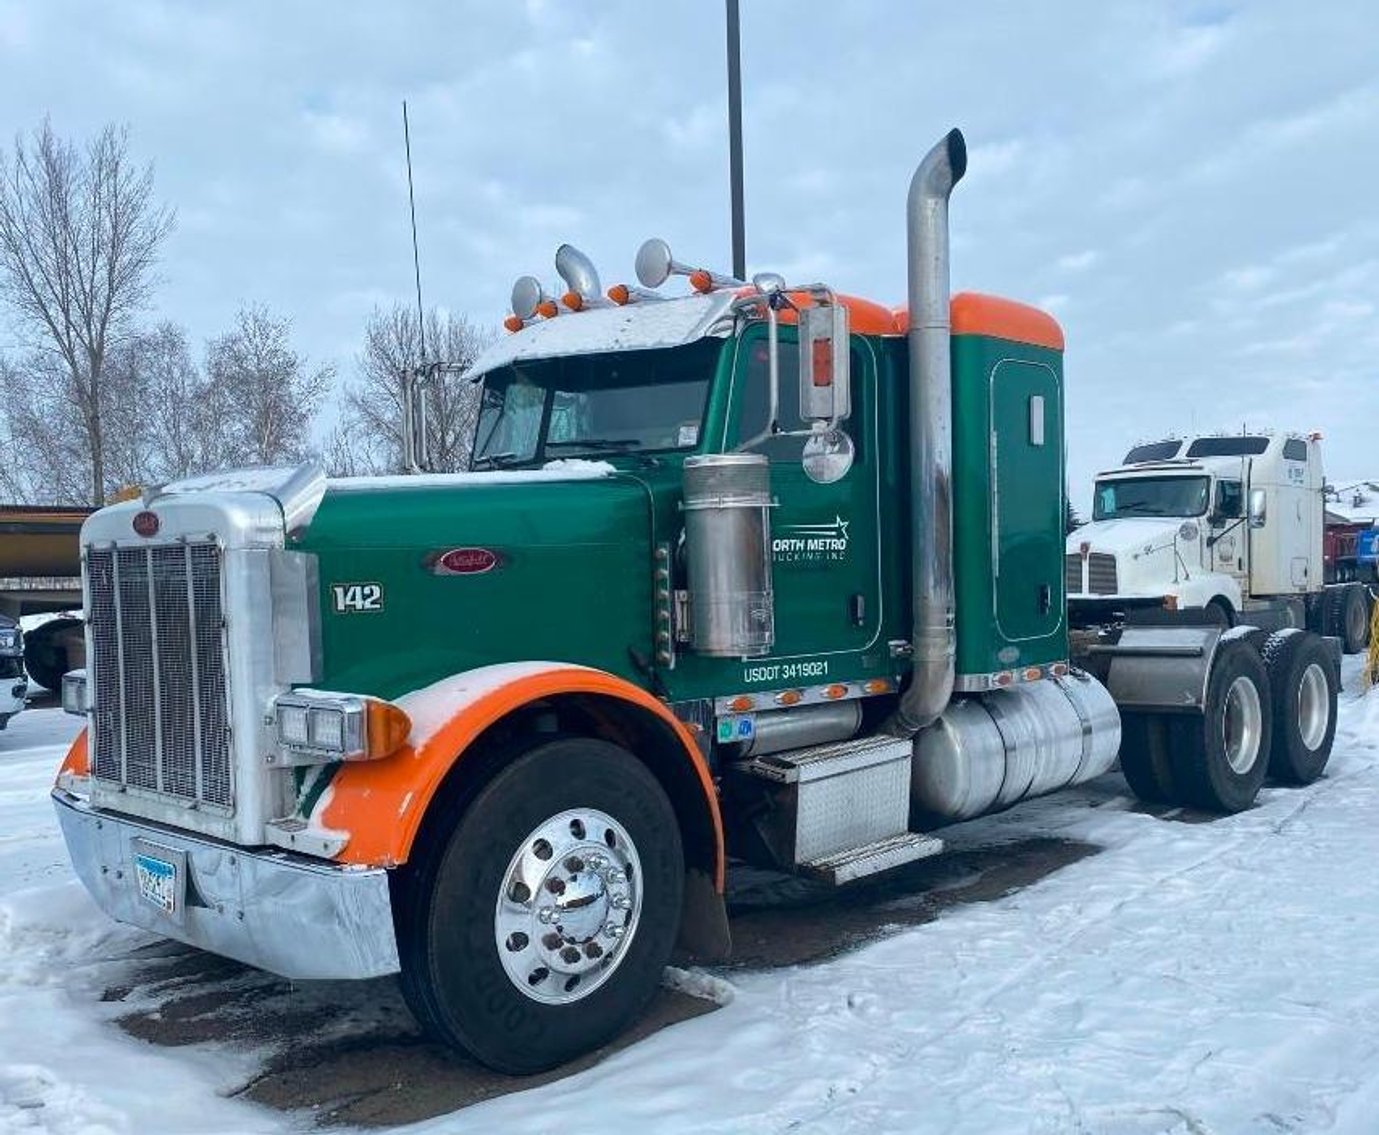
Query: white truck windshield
x,y
1150,496
594,405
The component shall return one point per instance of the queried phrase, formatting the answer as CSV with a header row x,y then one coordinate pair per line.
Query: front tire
x,y
1220,756
1305,684
543,927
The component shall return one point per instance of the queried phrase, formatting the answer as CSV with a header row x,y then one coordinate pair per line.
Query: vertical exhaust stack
x,y
931,436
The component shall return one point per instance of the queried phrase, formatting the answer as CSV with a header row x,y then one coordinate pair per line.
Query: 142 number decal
x,y
351,597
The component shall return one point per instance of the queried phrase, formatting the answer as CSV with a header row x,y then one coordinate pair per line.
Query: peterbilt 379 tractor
x,y
759,573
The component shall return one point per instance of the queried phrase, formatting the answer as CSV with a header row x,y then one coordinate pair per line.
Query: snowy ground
x,y
1173,975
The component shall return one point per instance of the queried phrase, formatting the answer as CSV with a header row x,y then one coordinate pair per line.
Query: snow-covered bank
x,y
1192,977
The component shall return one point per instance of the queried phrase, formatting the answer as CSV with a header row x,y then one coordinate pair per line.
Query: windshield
x,y
586,405
1150,496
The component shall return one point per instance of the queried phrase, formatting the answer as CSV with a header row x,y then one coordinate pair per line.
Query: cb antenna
x,y
416,256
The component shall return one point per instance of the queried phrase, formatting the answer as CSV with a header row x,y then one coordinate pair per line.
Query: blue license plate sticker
x,y
157,882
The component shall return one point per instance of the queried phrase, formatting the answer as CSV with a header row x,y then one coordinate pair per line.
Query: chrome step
x,y
859,862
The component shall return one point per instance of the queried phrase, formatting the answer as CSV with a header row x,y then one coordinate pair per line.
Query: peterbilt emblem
x,y
465,561
146,523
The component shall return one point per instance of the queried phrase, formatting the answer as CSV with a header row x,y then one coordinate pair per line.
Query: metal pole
x,y
735,140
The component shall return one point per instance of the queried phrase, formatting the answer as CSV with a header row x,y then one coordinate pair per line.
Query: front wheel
x,y
543,927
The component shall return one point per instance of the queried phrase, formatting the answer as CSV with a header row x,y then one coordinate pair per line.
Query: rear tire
x,y
1347,617
1144,757
45,653
1221,755
1304,681
525,984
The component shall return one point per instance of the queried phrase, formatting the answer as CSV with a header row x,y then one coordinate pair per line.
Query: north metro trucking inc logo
x,y
809,543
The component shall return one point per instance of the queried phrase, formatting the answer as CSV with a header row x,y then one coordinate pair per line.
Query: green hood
x,y
571,581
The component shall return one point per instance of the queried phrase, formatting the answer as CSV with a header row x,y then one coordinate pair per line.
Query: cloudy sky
x,y
1190,187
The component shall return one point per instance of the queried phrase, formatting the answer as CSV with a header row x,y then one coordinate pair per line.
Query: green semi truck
x,y
759,573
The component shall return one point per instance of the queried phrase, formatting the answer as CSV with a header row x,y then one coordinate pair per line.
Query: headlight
x,y
11,642
317,727
74,692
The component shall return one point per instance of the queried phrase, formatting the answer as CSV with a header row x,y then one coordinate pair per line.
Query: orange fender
x,y
380,804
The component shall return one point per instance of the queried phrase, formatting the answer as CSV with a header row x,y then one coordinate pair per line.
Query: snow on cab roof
x,y
633,327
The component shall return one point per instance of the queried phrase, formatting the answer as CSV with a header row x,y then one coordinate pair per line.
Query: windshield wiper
x,y
495,461
597,443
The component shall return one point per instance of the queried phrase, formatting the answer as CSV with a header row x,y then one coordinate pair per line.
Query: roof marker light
x,y
622,294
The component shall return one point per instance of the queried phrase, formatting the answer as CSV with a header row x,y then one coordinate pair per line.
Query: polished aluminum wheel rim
x,y
1314,706
568,907
1243,724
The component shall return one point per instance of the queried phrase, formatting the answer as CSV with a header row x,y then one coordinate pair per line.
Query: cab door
x,y
1228,543
825,556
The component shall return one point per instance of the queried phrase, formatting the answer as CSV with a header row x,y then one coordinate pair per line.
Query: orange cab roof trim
x,y
976,314
865,317
972,314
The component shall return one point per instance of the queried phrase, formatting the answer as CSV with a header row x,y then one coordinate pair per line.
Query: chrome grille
x,y
1101,574
160,721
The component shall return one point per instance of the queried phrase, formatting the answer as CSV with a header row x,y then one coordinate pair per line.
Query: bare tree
x,y
80,233
368,438
262,393
165,418
44,458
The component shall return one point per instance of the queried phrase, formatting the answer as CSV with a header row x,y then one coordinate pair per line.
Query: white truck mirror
x,y
1259,508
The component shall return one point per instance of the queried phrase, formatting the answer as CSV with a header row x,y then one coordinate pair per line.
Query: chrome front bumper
x,y
293,916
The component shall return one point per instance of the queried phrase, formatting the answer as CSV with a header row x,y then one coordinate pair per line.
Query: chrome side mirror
x,y
828,455
825,391
1259,508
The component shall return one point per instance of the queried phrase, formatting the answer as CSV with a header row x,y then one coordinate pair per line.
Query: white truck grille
x,y
160,721
1101,574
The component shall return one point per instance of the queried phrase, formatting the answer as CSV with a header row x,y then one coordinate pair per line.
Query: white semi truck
x,y
1215,528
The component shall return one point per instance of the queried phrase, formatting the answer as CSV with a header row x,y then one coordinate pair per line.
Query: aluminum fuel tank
x,y
988,752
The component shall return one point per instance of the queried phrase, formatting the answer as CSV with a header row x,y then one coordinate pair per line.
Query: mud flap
x,y
704,933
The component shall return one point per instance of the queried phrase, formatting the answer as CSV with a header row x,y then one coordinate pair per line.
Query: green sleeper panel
x,y
1008,485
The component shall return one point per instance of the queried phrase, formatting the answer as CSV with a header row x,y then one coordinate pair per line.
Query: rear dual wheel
x,y
1220,756
1305,684
1347,616
541,926
1270,709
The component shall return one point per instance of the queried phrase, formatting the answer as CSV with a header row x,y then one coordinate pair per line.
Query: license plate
x,y
157,882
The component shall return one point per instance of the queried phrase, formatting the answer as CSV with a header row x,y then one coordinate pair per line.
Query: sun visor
x,y
641,326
